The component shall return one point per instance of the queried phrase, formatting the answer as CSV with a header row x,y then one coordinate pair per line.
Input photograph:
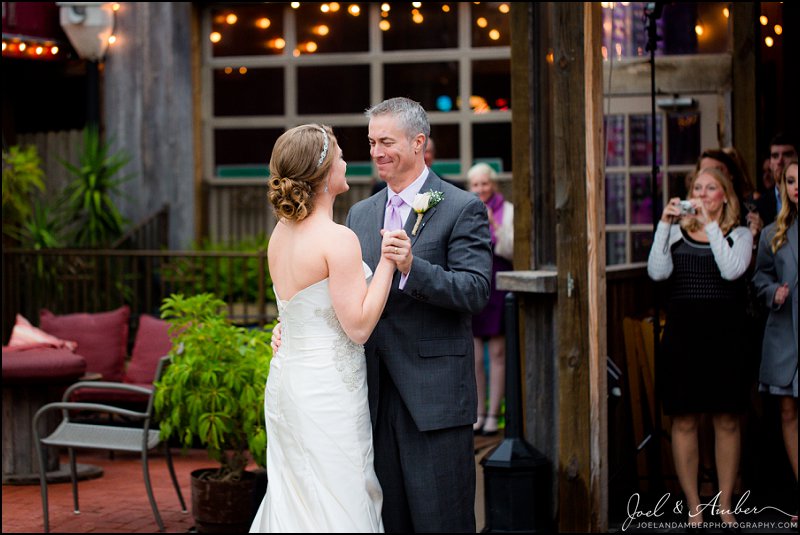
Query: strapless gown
x,y
319,435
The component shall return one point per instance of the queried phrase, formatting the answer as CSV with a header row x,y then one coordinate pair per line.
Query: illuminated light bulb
x,y
482,22
296,53
228,70
550,57
311,47
321,30
4,46
242,70
778,29
494,35
417,18
768,41
764,20
22,47
54,50
503,8
604,50
726,12
231,18
334,6
384,14
384,25
698,29
295,5
445,8
215,37
263,23
115,6
39,50
324,8
277,43
386,7
112,39
416,4
354,10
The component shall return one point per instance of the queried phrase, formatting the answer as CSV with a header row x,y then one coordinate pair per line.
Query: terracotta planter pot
x,y
226,507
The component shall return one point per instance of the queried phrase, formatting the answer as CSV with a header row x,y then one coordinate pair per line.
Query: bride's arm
x,y
358,305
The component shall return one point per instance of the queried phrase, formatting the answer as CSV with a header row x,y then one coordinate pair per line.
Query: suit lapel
x,y
432,183
371,245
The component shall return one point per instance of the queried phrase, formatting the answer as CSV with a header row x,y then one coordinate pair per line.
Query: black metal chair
x,y
73,434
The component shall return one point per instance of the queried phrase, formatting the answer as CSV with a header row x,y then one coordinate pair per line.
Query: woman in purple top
x,y
487,327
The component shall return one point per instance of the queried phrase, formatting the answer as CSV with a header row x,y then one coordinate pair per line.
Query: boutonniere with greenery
x,y
422,203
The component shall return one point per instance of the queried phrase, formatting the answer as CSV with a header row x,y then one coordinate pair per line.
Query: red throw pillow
x,y
102,338
152,343
26,336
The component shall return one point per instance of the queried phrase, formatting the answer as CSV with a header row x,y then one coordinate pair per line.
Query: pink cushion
x,y
102,338
45,365
26,336
152,343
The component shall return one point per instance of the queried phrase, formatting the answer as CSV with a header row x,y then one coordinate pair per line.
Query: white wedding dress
x,y
320,475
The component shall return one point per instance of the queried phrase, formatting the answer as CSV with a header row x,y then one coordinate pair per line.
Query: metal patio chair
x,y
72,434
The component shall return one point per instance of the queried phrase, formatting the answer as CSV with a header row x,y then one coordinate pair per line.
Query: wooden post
x,y
745,41
559,223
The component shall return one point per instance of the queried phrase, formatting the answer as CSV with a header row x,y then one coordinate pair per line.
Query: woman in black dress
x,y
704,253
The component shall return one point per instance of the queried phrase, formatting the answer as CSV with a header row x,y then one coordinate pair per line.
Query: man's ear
x,y
419,143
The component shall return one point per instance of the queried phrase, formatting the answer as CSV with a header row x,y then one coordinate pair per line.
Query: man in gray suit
x,y
420,367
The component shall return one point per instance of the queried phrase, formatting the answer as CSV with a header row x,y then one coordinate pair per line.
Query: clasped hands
x,y
396,246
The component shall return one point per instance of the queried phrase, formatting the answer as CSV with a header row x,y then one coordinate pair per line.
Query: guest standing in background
x,y
776,282
704,253
488,326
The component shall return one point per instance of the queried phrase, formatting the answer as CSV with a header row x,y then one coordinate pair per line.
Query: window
x,y
268,67
681,135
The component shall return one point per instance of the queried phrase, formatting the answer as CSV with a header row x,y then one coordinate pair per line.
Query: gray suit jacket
x,y
424,336
779,350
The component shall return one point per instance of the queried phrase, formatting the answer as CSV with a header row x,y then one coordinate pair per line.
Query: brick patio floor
x,y
117,501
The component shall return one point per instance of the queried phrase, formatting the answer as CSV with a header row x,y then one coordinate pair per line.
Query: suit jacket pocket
x,y
441,347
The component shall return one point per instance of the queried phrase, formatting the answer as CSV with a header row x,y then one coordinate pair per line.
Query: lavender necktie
x,y
394,220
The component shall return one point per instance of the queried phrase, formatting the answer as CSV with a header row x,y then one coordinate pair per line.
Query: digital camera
x,y
687,208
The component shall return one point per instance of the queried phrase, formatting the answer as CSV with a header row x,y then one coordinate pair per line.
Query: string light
x,y
112,39
384,25
354,10
231,19
769,41
726,12
764,20
215,37
295,5
334,6
263,23
494,35
778,29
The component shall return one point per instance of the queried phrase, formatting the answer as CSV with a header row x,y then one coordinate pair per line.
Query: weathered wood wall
x,y
147,104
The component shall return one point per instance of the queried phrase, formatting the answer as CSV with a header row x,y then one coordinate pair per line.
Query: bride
x,y
319,450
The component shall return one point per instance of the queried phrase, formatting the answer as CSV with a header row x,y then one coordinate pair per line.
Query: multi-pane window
x,y
270,66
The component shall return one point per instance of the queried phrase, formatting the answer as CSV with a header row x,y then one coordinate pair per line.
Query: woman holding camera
x,y
702,251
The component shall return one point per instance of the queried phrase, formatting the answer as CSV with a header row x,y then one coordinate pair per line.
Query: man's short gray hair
x,y
412,116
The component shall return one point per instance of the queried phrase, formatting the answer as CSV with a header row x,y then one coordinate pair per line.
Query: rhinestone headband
x,y
324,147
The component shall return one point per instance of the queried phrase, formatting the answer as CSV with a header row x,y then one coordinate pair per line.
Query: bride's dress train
x,y
319,456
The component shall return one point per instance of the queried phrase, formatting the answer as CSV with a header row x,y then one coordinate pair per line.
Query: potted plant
x,y
212,394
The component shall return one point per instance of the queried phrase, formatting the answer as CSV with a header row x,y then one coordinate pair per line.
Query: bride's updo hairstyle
x,y
300,163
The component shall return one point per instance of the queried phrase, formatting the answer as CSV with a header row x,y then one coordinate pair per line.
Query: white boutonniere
x,y
422,203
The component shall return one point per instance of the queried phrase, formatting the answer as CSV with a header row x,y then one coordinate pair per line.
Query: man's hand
x,y
276,337
397,247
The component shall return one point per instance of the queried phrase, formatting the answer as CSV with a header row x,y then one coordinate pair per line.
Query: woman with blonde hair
x,y
776,282
701,249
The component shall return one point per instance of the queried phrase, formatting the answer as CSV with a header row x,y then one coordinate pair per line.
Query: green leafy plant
x,y
22,177
213,391
89,207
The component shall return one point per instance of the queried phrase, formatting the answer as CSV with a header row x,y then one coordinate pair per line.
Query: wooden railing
x,y
68,281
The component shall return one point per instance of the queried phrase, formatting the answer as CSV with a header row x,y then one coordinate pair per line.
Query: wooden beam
x,y
580,325
596,268
745,131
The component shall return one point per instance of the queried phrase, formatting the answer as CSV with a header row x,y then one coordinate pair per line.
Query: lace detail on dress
x,y
348,355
